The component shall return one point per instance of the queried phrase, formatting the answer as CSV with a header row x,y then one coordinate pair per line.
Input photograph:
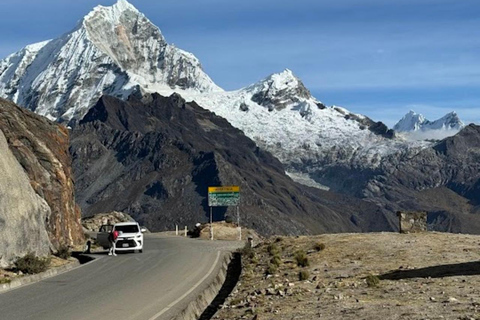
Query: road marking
x,y
189,291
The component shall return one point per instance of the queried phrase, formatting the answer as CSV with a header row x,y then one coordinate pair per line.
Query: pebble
x,y
452,299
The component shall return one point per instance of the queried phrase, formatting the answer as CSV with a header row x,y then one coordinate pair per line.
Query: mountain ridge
x,y
159,154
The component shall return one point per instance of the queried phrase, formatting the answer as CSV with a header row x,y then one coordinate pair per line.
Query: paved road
x,y
155,284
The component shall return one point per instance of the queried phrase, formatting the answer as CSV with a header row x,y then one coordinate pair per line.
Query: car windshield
x,y
106,228
132,228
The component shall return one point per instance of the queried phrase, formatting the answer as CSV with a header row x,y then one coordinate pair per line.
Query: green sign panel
x,y
223,196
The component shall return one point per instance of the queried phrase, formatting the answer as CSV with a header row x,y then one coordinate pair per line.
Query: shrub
x,y
271,269
63,252
279,239
5,280
248,252
303,275
372,281
32,264
228,219
273,249
301,259
319,246
276,260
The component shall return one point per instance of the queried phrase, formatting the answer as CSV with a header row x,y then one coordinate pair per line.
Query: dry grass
x,y
440,278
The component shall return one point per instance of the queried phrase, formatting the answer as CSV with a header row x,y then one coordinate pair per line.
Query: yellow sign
x,y
223,189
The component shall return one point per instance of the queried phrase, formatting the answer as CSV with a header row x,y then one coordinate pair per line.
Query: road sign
x,y
223,196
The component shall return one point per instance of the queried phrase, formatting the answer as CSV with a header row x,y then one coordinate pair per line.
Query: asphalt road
x,y
155,284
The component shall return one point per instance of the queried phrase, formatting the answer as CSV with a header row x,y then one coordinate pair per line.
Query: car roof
x,y
126,223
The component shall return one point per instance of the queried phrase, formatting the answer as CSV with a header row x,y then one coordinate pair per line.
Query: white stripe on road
x,y
189,291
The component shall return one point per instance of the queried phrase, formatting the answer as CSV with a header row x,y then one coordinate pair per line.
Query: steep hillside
x,y
37,207
154,159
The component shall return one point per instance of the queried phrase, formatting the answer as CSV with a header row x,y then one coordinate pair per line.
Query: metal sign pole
x,y
211,225
238,223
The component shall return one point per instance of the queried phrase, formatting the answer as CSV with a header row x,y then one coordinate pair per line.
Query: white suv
x,y
130,236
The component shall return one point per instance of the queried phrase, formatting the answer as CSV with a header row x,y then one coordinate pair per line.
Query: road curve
x,y
155,284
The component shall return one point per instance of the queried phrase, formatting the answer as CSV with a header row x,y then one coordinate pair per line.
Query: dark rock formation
x,y
40,148
443,180
154,159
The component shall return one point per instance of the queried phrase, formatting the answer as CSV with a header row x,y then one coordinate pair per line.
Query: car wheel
x,y
140,251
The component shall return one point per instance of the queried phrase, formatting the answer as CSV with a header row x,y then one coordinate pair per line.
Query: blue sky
x,y
375,57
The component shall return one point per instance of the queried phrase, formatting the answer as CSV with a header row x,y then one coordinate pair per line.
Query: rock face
x,y
22,211
154,159
40,149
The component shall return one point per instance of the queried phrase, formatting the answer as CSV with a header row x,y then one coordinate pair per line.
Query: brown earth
x,y
420,276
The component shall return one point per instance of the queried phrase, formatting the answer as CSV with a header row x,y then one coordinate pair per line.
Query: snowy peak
x,y
114,12
115,50
279,90
412,122
450,121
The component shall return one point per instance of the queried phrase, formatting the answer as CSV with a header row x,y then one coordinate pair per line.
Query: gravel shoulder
x,y
420,276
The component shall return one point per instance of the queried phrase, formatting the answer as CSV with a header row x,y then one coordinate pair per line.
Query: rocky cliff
x,y
22,211
39,149
154,157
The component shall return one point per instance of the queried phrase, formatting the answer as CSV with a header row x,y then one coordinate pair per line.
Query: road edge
x,y
196,307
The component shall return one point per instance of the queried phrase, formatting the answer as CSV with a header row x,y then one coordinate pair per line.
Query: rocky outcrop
x,y
22,211
155,158
40,148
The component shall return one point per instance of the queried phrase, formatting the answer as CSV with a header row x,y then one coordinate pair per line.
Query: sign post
x,y
224,197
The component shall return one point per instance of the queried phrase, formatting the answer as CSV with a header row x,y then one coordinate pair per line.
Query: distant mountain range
x,y
416,122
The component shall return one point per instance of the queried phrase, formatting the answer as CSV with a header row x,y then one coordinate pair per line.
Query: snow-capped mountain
x,y
416,122
114,50
117,51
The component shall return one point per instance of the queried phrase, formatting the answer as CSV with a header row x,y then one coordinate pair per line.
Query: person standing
x,y
113,241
